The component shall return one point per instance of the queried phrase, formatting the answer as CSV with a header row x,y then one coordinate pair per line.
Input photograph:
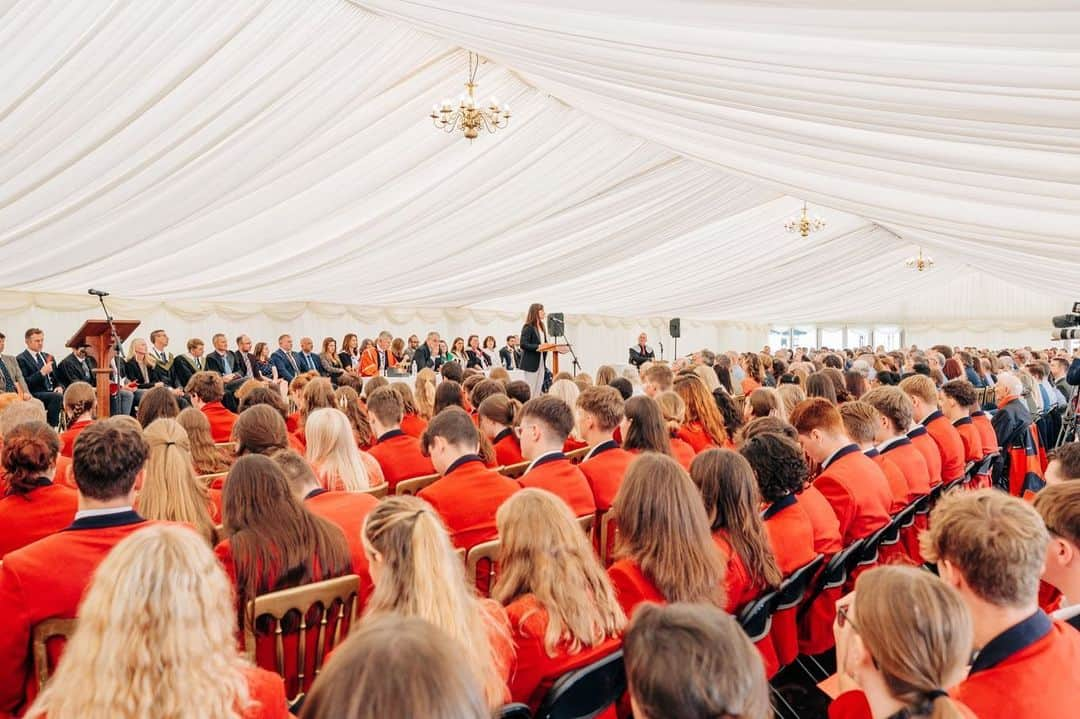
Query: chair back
x,y
586,692
868,554
414,485
793,590
228,446
904,518
586,523
315,617
837,569
513,711
481,565
43,633
378,491
756,617
209,480
608,530
577,455
513,471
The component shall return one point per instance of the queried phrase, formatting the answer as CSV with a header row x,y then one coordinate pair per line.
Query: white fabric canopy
x,y
202,156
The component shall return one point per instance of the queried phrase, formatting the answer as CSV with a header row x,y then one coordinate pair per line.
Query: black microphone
x,y
98,293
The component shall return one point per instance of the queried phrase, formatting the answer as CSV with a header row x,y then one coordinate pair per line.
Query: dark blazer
x,y
285,368
973,377
35,381
70,370
1073,375
213,362
182,371
531,358
316,362
504,355
346,360
1010,423
477,359
423,358
238,365
638,358
153,374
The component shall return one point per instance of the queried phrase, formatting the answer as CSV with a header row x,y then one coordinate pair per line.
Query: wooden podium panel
x,y
97,334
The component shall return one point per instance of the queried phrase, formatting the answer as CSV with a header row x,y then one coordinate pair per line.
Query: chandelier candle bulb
x,y
470,116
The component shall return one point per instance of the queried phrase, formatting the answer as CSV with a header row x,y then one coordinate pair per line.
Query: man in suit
x,y
221,360
307,359
11,377
1059,369
1012,423
427,354
511,353
410,350
159,342
186,365
245,361
108,458
285,359
76,367
38,369
642,352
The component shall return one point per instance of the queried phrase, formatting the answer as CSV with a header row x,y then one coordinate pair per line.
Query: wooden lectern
x,y
97,334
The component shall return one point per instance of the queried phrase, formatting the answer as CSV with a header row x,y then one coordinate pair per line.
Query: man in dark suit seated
x,y
642,352
11,378
284,359
427,354
221,360
307,358
511,353
76,367
245,361
38,367
186,365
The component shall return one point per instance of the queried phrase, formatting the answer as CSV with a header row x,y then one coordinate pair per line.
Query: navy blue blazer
x,y
285,368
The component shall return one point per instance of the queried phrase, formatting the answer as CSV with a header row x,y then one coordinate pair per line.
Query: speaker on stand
x,y
675,329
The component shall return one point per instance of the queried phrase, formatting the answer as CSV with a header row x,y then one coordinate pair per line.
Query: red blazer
x,y
28,517
951,447
221,421
683,452
898,485
857,491
533,671
348,511
969,435
929,450
413,425
400,457
986,431
467,497
507,448
68,436
369,361
1030,671
571,444
557,475
694,434
852,705
790,532
738,587
604,470
268,690
904,455
823,519
33,588
632,587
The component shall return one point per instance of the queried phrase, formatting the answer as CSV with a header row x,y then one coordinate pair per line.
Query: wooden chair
x,y
460,552
586,522
230,446
608,532
513,471
577,455
334,600
414,485
208,480
42,634
378,491
483,577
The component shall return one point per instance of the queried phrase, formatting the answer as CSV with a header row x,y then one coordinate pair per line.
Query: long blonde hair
x,y
425,393
206,457
170,490
545,553
663,527
332,450
159,618
921,644
422,576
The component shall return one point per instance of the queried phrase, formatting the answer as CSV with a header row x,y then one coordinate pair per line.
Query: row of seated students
x,y
667,553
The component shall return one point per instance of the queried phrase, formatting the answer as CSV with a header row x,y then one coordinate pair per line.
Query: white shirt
x,y
82,513
545,454
890,442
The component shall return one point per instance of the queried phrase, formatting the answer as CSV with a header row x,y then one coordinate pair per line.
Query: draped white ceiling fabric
x,y
276,155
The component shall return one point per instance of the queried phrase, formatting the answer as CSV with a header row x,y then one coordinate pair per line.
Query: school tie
x,y
9,383
47,378
247,365
292,361
198,364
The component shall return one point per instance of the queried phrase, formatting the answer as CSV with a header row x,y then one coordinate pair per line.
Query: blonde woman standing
x,y
179,660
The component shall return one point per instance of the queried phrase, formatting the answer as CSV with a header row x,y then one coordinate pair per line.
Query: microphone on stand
x,y
97,293
661,350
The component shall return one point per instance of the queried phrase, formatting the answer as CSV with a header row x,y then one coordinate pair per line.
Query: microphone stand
x,y
574,360
112,327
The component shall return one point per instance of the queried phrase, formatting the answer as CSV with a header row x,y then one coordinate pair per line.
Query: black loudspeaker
x,y
556,324
675,327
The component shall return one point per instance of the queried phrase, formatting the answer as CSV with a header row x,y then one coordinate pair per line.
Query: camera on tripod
x,y
1067,327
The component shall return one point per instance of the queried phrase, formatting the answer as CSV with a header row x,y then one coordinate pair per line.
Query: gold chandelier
x,y
921,262
470,116
805,224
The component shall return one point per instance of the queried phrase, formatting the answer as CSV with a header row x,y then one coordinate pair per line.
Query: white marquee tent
x,y
262,165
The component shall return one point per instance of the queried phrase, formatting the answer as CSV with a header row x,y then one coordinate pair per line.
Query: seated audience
x,y
924,400
1064,464
820,385
156,403
665,551
332,453
412,423
498,417
657,378
562,607
861,422
898,658
545,424
206,390
894,417
673,411
468,493
397,666
790,395
348,401
599,412
259,429
520,390
1012,428
992,548
418,574
37,372
449,394
856,489
170,490
377,358
763,402
642,428
689,661
1059,506
330,360
206,457
181,660
347,510
32,506
80,403
957,396
397,453
704,428
424,390
109,455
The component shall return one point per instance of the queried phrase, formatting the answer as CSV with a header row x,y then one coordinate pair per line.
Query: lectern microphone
x,y
97,293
